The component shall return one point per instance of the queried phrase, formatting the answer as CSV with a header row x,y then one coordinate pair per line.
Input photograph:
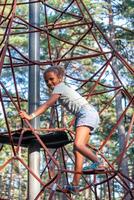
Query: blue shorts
x,y
87,116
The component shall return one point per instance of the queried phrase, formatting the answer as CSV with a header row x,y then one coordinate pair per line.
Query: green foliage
x,y
79,69
128,9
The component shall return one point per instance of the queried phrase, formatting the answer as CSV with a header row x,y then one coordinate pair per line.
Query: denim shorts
x,y
87,116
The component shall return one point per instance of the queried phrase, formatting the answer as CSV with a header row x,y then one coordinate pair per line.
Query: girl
x,y
87,120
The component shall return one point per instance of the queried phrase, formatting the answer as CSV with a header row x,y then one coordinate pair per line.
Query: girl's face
x,y
52,79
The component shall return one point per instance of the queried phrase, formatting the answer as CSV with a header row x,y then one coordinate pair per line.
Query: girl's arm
x,y
41,108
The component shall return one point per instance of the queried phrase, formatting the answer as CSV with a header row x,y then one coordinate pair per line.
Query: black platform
x,y
51,140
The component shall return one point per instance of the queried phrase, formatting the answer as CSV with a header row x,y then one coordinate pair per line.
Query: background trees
x,y
115,19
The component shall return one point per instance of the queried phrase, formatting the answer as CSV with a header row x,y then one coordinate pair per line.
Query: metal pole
x,y
34,98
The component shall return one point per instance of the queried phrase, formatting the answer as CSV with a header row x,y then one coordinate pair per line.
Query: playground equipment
x,y
53,174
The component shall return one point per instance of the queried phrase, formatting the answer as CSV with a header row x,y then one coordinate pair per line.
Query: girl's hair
x,y
57,70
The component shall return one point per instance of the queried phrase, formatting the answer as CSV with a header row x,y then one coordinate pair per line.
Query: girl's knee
x,y
77,146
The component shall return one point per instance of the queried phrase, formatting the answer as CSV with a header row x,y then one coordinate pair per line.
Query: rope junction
x,y
68,51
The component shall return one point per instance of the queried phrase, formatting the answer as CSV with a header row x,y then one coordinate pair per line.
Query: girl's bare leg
x,y
81,151
79,158
80,143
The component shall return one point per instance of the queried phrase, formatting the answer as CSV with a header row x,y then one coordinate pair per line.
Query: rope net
x,y
64,33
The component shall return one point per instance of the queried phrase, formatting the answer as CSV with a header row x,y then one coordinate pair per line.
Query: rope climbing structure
x,y
66,32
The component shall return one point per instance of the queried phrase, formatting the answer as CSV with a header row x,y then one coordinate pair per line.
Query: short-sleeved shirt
x,y
70,98
86,115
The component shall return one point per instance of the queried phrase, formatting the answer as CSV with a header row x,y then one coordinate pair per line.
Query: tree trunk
x,y
118,101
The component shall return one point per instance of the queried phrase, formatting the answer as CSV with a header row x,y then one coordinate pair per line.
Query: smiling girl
x,y
87,120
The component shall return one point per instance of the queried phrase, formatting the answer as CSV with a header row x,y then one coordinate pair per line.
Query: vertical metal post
x,y
34,98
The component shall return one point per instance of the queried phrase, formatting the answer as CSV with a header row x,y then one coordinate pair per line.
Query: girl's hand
x,y
24,115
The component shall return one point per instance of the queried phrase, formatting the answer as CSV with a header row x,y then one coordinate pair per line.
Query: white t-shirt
x,y
70,98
